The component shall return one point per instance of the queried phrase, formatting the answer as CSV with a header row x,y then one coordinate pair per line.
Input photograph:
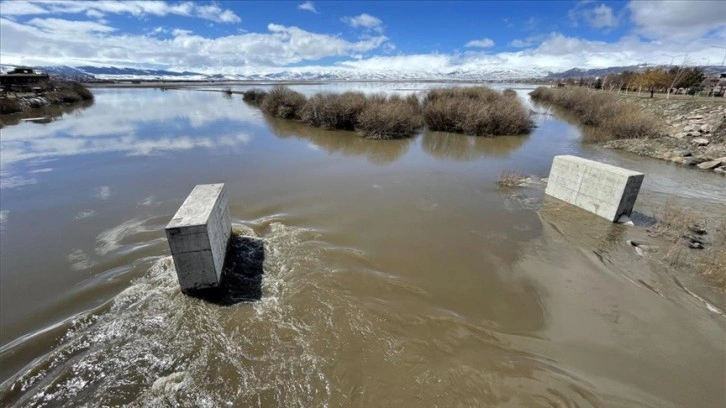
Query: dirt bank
x,y
693,132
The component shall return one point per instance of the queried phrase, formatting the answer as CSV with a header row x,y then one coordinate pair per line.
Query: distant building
x,y
24,79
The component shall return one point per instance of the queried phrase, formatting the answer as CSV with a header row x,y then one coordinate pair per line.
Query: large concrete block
x,y
198,235
605,190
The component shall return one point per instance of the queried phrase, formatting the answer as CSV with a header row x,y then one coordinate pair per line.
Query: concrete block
x,y
602,189
198,235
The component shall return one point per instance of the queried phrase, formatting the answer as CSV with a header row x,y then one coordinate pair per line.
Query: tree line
x,y
650,80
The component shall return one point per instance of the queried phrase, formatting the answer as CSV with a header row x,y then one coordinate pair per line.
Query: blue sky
x,y
246,36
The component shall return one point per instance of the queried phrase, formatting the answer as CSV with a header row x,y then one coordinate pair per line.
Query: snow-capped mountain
x,y
335,73
89,73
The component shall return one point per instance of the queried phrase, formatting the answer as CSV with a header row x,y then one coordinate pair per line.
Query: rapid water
x,y
396,273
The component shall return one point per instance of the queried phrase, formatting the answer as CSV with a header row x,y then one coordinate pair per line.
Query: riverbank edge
x,y
693,132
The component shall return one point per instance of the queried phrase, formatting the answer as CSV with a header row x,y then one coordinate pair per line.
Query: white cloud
x,y
56,41
135,8
483,43
601,16
517,43
556,52
678,19
309,6
15,8
364,20
58,26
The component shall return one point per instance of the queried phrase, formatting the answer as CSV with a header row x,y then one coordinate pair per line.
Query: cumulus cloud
x,y
135,8
365,21
483,43
601,16
58,26
56,41
678,19
308,6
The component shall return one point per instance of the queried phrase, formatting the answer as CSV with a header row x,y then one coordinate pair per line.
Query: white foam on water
x,y
155,346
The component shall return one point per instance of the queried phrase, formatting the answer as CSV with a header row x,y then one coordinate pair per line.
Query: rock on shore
x,y
693,134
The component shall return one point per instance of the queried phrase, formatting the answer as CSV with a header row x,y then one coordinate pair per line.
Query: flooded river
x,y
396,273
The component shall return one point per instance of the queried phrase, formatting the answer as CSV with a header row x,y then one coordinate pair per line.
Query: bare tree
x,y
677,75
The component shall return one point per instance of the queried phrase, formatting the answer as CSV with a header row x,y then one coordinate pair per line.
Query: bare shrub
x,y
332,111
254,96
633,125
66,88
619,119
673,219
283,102
8,106
510,179
68,96
475,111
412,99
385,118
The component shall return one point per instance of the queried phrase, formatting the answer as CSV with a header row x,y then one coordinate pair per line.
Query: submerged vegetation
x,y
476,111
283,102
511,179
618,119
695,243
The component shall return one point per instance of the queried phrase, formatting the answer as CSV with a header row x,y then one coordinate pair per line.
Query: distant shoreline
x,y
191,83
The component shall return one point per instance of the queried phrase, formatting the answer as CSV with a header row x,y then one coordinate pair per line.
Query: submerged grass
x,y
619,119
510,179
474,111
680,225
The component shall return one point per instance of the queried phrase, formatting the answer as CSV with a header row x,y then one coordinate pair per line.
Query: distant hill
x,y
334,73
602,72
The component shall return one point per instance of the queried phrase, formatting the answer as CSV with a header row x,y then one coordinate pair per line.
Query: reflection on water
x,y
45,114
341,142
382,272
452,146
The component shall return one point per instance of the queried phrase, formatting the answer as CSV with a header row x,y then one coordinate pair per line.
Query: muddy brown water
x,y
396,273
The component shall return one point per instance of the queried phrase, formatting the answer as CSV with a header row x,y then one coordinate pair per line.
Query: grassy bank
x,y
615,117
60,92
476,111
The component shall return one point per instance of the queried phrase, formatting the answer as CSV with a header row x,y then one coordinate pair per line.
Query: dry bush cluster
x,y
389,118
8,106
58,92
254,96
474,111
283,102
618,118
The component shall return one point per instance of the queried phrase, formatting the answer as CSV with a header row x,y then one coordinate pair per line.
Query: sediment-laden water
x,y
396,273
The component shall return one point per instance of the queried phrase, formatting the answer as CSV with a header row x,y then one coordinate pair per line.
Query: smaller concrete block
x,y
602,189
198,235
